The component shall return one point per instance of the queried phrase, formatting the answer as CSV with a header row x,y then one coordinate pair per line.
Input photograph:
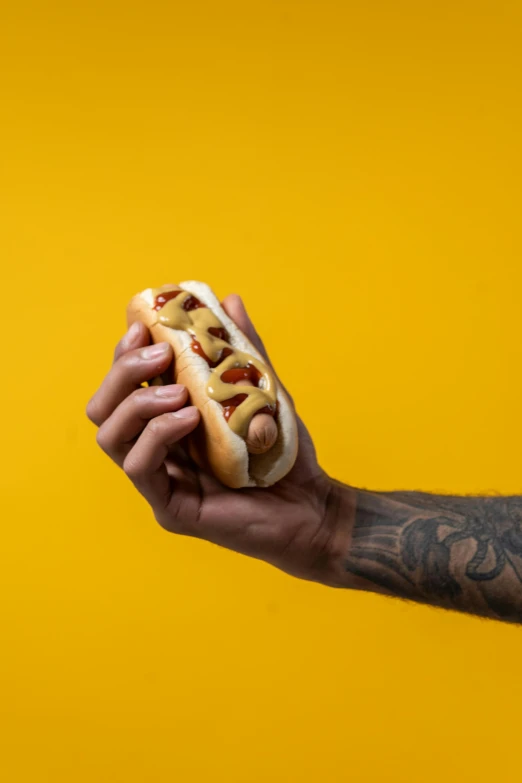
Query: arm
x,y
458,553
455,552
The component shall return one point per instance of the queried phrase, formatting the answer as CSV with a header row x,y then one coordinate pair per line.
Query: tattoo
x,y
462,553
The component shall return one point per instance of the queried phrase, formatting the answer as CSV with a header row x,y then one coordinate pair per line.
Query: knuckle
x,y
126,362
93,411
139,397
166,522
172,523
119,349
156,426
132,468
101,439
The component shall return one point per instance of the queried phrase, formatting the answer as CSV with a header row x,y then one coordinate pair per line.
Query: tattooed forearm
x,y
462,553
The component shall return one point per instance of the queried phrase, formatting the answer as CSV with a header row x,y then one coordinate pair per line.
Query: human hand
x,y
300,524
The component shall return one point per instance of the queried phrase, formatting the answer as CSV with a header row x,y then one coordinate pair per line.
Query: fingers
x,y
137,337
145,462
129,371
117,434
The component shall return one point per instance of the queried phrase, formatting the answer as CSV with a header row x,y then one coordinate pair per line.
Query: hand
x,y
299,525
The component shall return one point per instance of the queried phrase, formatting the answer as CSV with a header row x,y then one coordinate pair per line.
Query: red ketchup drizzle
x,y
162,299
220,332
230,405
196,347
191,303
238,374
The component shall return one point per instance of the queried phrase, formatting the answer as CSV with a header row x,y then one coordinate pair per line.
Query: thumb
x,y
234,307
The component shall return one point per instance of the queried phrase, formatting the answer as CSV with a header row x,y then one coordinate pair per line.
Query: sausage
x,y
262,433
262,430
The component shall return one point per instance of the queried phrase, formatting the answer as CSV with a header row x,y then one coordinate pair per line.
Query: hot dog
x,y
248,432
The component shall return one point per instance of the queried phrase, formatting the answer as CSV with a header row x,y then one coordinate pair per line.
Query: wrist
x,y
338,525
345,517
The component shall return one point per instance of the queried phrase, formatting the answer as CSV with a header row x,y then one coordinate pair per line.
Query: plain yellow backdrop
x,y
353,169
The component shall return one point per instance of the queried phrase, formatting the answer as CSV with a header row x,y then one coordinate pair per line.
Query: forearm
x,y
457,552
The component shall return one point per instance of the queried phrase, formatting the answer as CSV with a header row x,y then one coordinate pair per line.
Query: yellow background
x,y
353,169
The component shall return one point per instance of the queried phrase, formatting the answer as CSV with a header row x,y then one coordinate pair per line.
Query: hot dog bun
x,y
214,444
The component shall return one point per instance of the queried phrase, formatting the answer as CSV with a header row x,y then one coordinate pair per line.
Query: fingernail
x,y
173,390
154,351
185,413
133,332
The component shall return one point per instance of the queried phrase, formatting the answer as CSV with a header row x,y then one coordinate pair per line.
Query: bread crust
x,y
214,444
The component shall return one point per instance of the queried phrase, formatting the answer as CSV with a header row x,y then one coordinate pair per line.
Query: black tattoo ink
x,y
463,553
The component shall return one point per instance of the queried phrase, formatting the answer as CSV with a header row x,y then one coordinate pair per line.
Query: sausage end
x,y
262,434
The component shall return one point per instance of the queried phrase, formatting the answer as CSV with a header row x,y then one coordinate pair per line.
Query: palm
x,y
264,522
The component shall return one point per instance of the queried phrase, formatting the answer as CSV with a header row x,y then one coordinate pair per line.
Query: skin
x,y
458,553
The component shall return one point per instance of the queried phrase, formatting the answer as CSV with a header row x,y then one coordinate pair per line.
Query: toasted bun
x,y
214,444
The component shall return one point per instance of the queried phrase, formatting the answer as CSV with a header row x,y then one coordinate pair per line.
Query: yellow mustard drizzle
x,y
197,323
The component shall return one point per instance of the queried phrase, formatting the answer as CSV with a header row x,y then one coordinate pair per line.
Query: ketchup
x,y
162,299
238,374
220,332
230,405
192,303
196,347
